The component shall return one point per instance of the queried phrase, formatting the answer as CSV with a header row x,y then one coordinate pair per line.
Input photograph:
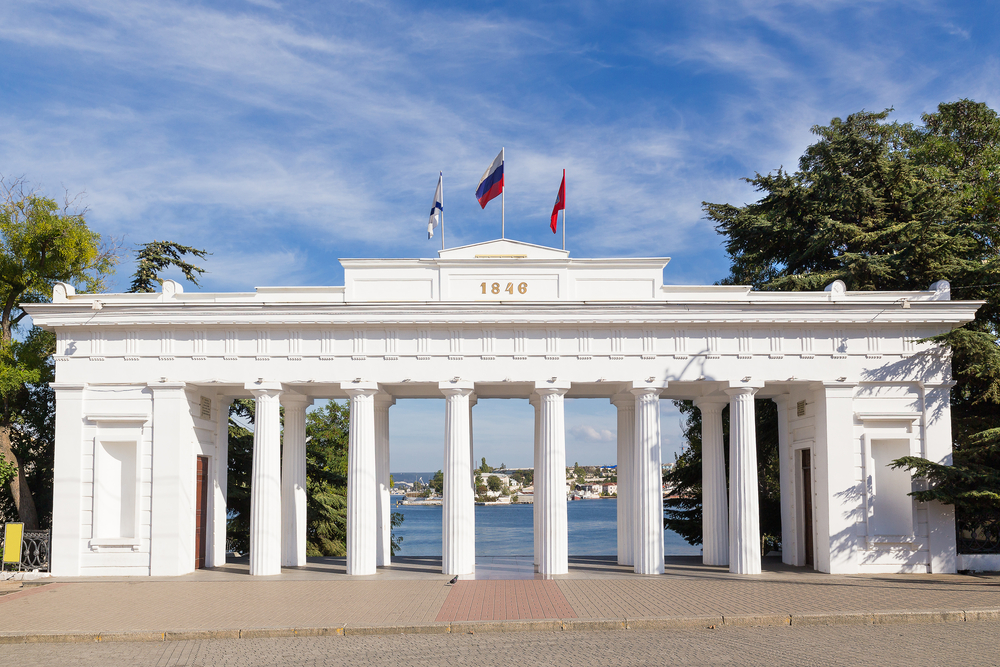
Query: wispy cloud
x,y
594,434
318,130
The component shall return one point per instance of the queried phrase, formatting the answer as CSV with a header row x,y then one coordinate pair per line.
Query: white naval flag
x,y
437,209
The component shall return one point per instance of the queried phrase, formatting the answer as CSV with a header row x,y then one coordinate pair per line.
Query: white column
x,y
265,480
648,477
626,484
220,490
361,512
554,551
293,481
536,517
937,447
172,502
714,495
458,533
744,513
471,475
786,484
383,509
67,483
835,479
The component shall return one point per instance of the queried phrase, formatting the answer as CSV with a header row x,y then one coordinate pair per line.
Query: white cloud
x,y
594,434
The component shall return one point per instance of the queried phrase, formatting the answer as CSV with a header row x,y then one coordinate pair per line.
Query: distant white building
x,y
144,381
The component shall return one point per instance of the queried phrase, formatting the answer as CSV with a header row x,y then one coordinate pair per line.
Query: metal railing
x,y
35,547
35,550
979,534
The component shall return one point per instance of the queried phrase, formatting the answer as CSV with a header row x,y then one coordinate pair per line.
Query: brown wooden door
x,y
201,514
807,506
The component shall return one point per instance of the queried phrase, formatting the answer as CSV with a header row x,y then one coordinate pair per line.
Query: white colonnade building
x,y
144,381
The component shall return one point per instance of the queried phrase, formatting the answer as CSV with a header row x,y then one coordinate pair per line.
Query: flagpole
x,y
564,211
503,201
441,174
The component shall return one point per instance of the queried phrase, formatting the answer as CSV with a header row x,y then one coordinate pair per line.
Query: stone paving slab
x,y
417,599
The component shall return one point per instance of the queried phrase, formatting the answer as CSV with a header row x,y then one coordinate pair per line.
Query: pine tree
x,y
155,256
895,206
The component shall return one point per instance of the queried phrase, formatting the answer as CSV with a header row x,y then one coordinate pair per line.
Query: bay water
x,y
506,530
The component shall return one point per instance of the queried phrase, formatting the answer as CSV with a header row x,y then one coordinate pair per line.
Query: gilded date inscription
x,y
495,288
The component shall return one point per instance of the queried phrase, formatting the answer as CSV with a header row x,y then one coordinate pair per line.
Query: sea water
x,y
506,530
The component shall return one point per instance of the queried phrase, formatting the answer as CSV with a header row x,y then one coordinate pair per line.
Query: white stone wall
x,y
138,365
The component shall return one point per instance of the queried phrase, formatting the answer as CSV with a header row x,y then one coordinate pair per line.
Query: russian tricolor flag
x,y
491,184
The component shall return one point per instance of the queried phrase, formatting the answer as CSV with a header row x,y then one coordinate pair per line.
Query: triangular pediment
x,y
503,249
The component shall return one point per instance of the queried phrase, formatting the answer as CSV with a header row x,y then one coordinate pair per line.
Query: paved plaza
x,y
413,597
962,645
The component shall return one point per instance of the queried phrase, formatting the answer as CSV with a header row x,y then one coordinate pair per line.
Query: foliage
x,y
241,418
156,256
7,471
683,509
41,243
437,483
523,477
485,467
494,483
327,430
894,206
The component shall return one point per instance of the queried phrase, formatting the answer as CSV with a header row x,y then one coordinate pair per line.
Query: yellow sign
x,y
12,534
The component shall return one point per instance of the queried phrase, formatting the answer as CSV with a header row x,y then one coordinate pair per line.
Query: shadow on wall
x,y
933,363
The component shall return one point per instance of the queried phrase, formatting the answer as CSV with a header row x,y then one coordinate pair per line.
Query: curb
x,y
887,617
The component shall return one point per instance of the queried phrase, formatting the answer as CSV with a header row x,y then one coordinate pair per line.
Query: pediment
x,y
503,249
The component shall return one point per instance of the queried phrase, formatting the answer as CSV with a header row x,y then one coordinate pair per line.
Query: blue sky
x,y
283,135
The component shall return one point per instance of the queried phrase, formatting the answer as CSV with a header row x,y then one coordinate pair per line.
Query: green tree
x,y
896,206
484,468
494,483
155,256
241,419
327,430
41,243
683,512
437,482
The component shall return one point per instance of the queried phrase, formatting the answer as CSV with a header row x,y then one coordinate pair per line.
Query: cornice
x,y
723,314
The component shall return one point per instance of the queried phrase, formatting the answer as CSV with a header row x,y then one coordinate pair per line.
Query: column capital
x,y
710,403
781,400
649,384
623,400
460,387
646,391
552,386
359,388
291,400
262,388
384,400
742,390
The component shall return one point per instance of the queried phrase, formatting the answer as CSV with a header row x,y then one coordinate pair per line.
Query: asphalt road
x,y
939,644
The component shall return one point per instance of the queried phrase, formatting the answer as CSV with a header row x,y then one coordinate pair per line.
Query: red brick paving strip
x,y
25,592
502,600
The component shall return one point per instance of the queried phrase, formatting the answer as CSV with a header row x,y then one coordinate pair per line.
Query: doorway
x,y
201,513
807,506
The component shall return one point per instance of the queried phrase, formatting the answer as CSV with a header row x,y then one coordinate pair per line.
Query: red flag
x,y
560,204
